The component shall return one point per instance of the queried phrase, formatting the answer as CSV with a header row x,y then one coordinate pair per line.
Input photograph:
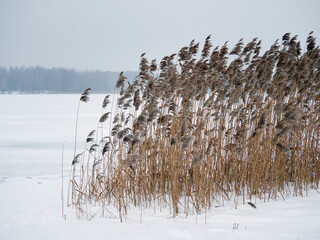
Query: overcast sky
x,y
111,35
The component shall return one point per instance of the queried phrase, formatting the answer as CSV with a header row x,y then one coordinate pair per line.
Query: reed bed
x,y
205,127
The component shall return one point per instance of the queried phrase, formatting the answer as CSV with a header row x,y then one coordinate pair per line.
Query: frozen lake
x,y
32,131
34,127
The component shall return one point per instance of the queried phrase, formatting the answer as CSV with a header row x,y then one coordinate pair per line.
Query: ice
x,y
34,127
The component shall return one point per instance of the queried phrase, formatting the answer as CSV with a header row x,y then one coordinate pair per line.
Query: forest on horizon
x,y
57,80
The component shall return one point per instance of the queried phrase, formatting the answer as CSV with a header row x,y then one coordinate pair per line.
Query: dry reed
x,y
195,131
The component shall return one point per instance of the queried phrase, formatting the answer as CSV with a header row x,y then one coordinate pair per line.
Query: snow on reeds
x,y
206,126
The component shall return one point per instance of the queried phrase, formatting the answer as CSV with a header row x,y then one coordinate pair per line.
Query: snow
x,y
31,209
33,128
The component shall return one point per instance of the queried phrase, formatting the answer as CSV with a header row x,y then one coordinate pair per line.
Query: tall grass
x,y
208,126
83,98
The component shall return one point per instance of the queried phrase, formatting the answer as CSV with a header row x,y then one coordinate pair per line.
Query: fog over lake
x,y
34,127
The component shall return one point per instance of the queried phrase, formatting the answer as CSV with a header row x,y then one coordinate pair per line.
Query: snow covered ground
x,y
31,209
32,130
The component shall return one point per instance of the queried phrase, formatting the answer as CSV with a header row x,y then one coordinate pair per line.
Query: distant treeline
x,y
57,80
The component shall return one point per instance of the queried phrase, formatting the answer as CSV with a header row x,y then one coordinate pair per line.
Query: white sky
x,y
111,35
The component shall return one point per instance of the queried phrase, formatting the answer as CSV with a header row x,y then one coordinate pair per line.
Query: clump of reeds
x,y
207,126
